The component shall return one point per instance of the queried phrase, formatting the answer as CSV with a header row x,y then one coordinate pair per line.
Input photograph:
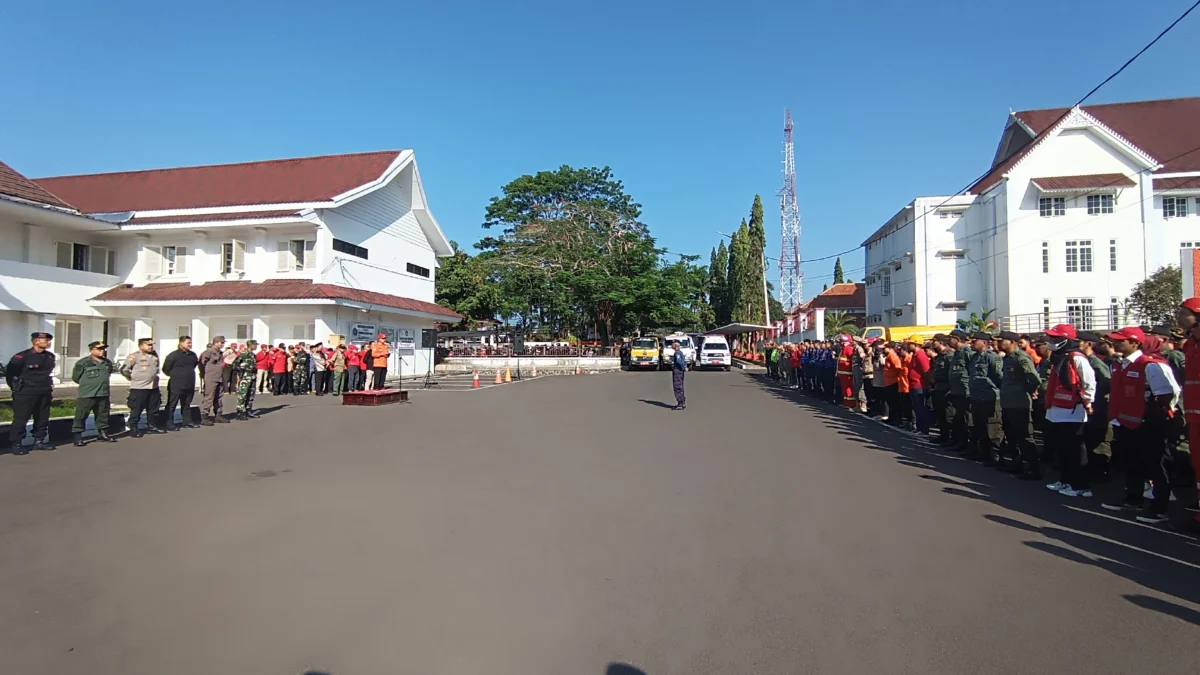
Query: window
x,y
111,266
174,260
1175,207
887,284
233,257
1045,257
242,331
1052,206
418,270
180,331
124,342
1112,255
1045,314
1114,313
349,249
152,261
1189,244
1079,256
1099,204
1079,313
304,331
81,257
295,255
68,340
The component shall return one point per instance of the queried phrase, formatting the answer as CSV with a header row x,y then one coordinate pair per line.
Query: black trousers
x,y
1146,457
960,423
1065,439
279,383
26,405
183,399
354,378
140,400
380,373
319,377
939,413
1018,436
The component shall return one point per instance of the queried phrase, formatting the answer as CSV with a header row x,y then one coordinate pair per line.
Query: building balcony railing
x,y
45,289
1082,317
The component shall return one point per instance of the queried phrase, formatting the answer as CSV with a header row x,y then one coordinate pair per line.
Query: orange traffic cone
x,y
534,373
499,377
507,374
475,379
576,368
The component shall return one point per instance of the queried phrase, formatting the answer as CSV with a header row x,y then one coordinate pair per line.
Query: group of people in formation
x,y
246,369
1126,400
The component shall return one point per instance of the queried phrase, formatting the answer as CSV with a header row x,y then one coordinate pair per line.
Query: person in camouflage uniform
x,y
245,365
300,370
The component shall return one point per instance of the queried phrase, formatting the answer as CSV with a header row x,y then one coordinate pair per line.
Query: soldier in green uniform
x,y
300,370
958,400
1097,431
1018,384
245,365
986,373
940,366
1039,399
92,397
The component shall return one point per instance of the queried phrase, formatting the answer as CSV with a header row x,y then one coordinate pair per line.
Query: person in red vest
x,y
1141,405
794,369
1188,317
279,370
845,372
1070,391
262,366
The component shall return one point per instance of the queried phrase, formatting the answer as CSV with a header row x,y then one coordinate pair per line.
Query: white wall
x,y
384,224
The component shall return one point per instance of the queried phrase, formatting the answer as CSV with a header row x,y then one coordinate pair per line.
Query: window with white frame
x,y
1114,313
1175,207
242,331
233,257
1045,257
1099,204
1045,313
1112,255
886,282
174,260
68,338
304,331
1079,256
1052,206
295,255
1079,313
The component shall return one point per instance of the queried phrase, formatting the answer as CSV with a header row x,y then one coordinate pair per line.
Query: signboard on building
x,y
362,332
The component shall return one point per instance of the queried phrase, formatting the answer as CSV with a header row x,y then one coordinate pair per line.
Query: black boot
x,y
79,440
103,437
43,445
241,416
154,430
206,422
220,419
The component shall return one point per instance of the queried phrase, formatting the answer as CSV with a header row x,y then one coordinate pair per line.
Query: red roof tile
x,y
1165,129
207,217
1185,183
280,181
1092,181
275,289
845,296
13,184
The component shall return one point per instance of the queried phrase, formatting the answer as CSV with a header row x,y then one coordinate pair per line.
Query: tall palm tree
x,y
839,322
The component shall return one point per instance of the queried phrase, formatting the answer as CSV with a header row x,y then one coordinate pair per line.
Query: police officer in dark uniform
x,y
29,375
958,398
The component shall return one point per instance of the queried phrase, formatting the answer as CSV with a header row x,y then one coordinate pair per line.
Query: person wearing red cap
x,y
1070,390
379,359
1141,405
1188,317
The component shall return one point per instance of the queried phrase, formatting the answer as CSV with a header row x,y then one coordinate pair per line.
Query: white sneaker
x,y
1152,518
1072,492
1057,487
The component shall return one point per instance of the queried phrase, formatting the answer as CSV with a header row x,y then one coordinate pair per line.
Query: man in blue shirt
x,y
678,368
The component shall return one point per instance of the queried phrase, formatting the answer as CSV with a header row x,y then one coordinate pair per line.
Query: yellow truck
x,y
901,333
645,352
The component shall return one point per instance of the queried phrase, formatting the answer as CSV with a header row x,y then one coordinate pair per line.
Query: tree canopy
x,y
1154,300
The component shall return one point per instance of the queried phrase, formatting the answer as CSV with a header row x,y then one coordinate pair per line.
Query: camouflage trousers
x,y
245,394
299,382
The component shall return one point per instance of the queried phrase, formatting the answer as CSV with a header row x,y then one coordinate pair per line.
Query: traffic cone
x,y
534,373
475,379
499,377
507,374
576,368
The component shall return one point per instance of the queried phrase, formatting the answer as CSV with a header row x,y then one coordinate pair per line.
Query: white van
x,y
714,353
685,346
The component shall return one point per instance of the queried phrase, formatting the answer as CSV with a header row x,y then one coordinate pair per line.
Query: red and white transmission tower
x,y
791,280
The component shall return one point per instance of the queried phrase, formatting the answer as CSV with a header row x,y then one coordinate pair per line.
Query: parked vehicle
x,y
645,352
714,353
685,345
898,333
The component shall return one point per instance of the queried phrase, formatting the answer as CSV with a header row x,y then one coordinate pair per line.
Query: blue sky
x,y
684,100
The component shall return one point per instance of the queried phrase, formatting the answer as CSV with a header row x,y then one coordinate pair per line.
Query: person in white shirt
x,y
1069,396
1143,400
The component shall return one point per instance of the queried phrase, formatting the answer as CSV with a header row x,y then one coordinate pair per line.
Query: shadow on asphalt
x,y
623,669
659,404
1158,559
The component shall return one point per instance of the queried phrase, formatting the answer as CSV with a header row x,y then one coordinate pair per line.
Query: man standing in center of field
x,y
678,369
212,363
246,365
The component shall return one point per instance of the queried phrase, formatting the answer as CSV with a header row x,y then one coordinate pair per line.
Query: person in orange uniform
x,y
379,358
1188,317
845,373
894,377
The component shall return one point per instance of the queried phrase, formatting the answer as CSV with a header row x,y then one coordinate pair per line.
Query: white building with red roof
x,y
276,251
1079,205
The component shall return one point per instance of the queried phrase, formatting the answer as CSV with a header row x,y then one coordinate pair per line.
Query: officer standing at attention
x,y
941,386
91,374
1097,431
180,368
987,373
959,398
30,377
1019,382
141,369
245,366
212,364
678,370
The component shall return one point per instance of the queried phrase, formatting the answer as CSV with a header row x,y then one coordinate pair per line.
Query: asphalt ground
x,y
564,525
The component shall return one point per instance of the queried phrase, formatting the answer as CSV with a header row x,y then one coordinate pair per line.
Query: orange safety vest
x,y
379,354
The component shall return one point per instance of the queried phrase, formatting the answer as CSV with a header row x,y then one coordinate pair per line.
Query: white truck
x,y
685,345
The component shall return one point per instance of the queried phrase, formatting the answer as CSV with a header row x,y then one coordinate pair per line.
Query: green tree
x,y
778,311
738,290
838,322
755,264
462,284
978,322
838,276
1154,300
718,293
